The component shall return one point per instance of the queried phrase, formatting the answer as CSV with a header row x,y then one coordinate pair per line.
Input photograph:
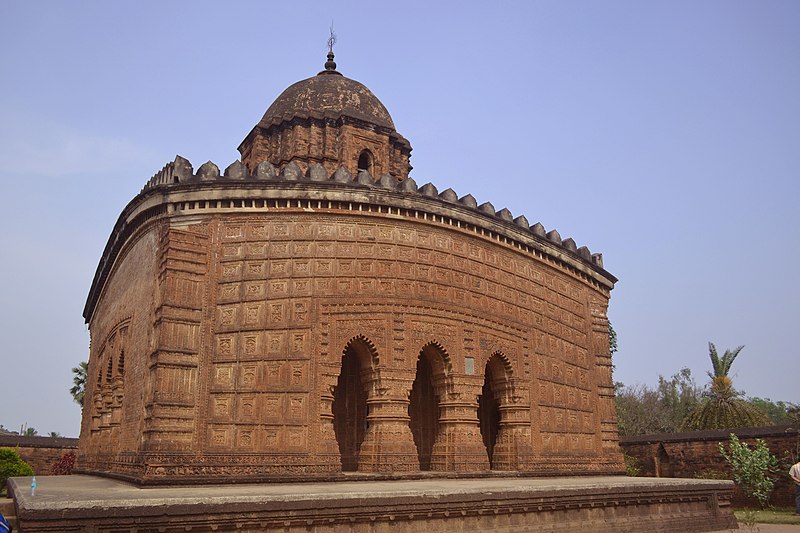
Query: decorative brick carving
x,y
263,294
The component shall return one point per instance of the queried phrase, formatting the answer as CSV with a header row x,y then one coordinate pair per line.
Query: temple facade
x,y
312,311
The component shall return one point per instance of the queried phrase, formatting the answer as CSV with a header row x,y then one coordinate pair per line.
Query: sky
x,y
663,134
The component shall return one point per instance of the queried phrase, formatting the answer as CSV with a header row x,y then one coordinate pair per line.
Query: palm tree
x,y
79,382
722,408
721,384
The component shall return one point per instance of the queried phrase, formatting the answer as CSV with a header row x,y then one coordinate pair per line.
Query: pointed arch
x,y
356,383
441,362
366,161
366,351
663,462
433,380
497,389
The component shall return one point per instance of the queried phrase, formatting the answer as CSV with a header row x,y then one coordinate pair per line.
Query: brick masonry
x,y
597,504
40,452
224,338
696,454
329,120
300,315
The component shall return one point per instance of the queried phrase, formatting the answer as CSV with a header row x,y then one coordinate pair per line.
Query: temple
x,y
311,311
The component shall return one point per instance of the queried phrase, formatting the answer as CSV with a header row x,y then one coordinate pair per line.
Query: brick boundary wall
x,y
40,452
696,454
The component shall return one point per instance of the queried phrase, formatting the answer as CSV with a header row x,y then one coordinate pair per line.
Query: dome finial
x,y
330,64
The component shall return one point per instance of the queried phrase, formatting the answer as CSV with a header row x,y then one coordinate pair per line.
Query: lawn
x,y
776,515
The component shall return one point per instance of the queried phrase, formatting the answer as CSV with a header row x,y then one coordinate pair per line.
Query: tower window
x,y
365,160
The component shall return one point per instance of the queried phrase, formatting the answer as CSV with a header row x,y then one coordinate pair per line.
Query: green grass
x,y
776,515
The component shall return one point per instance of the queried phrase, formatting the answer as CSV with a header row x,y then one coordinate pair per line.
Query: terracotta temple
x,y
312,311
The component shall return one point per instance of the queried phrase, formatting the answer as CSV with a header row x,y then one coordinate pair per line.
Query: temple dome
x,y
328,95
330,120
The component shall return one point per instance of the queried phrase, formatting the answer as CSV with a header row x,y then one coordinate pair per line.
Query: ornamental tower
x,y
311,311
331,120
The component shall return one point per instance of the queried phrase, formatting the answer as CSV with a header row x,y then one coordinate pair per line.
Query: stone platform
x,y
508,504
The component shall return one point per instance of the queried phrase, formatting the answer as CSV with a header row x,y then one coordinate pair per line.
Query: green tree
x,y
642,410
79,382
54,434
30,432
779,412
11,465
754,469
679,396
612,339
723,408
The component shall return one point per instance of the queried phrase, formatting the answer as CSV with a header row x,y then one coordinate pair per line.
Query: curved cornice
x,y
177,191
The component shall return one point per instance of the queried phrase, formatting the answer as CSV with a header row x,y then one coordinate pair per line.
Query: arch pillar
x,y
388,444
327,446
458,446
513,449
117,394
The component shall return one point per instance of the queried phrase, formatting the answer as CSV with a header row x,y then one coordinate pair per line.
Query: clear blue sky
x,y
665,135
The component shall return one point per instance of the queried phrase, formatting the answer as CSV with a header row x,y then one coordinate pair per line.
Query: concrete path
x,y
608,504
771,528
63,492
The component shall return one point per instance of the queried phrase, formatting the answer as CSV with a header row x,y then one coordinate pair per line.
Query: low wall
x,y
600,504
696,454
40,452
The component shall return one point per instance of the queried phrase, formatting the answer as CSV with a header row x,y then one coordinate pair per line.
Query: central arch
x,y
426,393
489,415
495,384
350,401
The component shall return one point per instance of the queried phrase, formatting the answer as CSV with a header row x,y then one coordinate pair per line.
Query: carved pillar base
x,y
459,446
327,449
513,449
388,444
117,390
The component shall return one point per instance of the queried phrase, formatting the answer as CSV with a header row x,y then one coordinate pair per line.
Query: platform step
x,y
8,512
7,506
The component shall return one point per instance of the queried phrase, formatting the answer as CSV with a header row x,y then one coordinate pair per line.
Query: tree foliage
x,y
30,432
642,410
754,469
12,465
779,412
79,382
721,365
723,407
665,408
612,339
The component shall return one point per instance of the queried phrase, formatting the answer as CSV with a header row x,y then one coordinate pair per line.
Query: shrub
x,y
64,466
754,470
11,465
631,465
710,474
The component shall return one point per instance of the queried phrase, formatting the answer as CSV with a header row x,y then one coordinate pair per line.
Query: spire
x,y
330,64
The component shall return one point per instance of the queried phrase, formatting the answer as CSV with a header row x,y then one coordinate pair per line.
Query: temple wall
x,y
121,341
332,145
249,316
289,325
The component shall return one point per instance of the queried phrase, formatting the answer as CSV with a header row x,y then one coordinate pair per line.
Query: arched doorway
x,y
365,162
489,413
663,463
423,410
350,405
430,387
